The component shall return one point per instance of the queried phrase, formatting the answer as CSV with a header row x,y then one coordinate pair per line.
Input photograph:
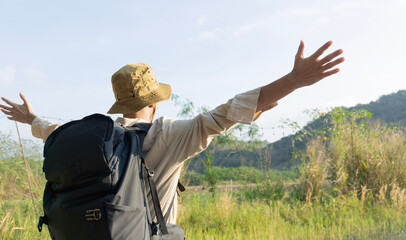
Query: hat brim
x,y
162,93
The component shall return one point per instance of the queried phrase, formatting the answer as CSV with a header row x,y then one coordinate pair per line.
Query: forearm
x,y
270,94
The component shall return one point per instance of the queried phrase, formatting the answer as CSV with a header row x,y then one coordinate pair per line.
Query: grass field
x,y
352,185
341,218
227,217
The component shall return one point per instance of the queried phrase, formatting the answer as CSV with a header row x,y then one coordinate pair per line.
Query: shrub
x,y
355,154
268,191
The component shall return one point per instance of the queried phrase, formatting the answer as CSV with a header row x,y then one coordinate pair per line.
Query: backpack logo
x,y
93,215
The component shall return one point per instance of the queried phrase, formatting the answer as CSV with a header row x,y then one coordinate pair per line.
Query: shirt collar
x,y
130,121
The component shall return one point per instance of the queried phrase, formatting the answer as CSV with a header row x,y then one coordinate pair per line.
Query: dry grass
x,y
368,157
344,217
316,169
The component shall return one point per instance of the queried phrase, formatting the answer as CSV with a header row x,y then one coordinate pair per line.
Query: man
x,y
170,142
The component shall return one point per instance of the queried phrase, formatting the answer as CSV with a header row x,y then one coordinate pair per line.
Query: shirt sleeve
x,y
183,139
42,128
243,107
170,142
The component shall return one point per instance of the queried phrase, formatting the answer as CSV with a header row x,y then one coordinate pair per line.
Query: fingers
x,y
300,50
7,112
12,118
321,50
332,64
23,98
21,113
16,116
8,102
331,72
331,56
5,107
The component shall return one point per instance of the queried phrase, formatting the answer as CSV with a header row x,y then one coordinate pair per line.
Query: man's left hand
x,y
22,113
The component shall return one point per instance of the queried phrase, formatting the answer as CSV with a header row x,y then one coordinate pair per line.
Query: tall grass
x,y
14,181
341,218
20,190
368,157
19,219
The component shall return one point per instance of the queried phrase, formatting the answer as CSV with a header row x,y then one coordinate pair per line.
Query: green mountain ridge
x,y
389,108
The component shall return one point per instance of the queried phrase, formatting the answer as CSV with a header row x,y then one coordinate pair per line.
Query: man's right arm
x,y
23,113
306,72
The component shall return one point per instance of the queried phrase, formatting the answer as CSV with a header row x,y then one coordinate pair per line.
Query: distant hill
x,y
388,108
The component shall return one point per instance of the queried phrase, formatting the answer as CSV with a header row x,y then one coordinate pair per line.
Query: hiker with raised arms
x,y
170,142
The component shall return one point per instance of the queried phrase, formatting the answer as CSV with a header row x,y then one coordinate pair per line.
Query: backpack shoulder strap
x,y
155,200
138,127
141,129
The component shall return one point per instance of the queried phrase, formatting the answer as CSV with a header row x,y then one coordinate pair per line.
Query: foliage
x,y
269,191
370,203
242,175
224,217
354,153
10,148
388,109
17,182
369,155
192,178
19,219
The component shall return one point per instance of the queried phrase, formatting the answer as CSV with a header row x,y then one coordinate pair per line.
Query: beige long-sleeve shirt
x,y
170,142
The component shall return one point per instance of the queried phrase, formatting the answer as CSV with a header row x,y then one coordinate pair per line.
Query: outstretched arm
x,y
21,113
306,72
40,128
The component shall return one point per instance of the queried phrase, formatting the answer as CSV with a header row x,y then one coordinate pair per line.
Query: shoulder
x,y
155,133
165,128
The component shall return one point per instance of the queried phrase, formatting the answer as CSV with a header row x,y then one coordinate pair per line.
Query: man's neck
x,y
147,113
140,115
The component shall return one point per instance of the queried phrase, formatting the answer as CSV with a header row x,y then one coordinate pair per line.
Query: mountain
x,y
388,108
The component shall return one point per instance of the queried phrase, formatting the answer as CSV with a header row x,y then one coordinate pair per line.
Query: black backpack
x,y
96,188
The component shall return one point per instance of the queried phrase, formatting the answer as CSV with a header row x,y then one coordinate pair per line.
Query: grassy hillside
x,y
388,109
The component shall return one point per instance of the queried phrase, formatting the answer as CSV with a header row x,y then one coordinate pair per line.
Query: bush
x,y
355,154
268,191
241,174
193,178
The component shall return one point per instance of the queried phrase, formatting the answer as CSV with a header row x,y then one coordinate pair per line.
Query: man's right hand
x,y
21,113
306,71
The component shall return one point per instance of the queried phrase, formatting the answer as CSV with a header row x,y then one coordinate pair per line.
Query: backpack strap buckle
x,y
93,215
42,220
150,173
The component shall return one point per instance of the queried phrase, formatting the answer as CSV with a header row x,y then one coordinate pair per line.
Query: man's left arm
x,y
23,113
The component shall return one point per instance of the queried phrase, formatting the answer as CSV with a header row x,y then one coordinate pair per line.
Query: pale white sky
x,y
62,55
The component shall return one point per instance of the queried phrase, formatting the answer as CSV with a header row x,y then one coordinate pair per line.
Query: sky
x,y
61,55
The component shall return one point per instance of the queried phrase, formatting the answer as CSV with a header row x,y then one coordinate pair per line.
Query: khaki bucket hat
x,y
136,87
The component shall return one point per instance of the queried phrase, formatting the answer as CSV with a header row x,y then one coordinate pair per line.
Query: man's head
x,y
135,87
